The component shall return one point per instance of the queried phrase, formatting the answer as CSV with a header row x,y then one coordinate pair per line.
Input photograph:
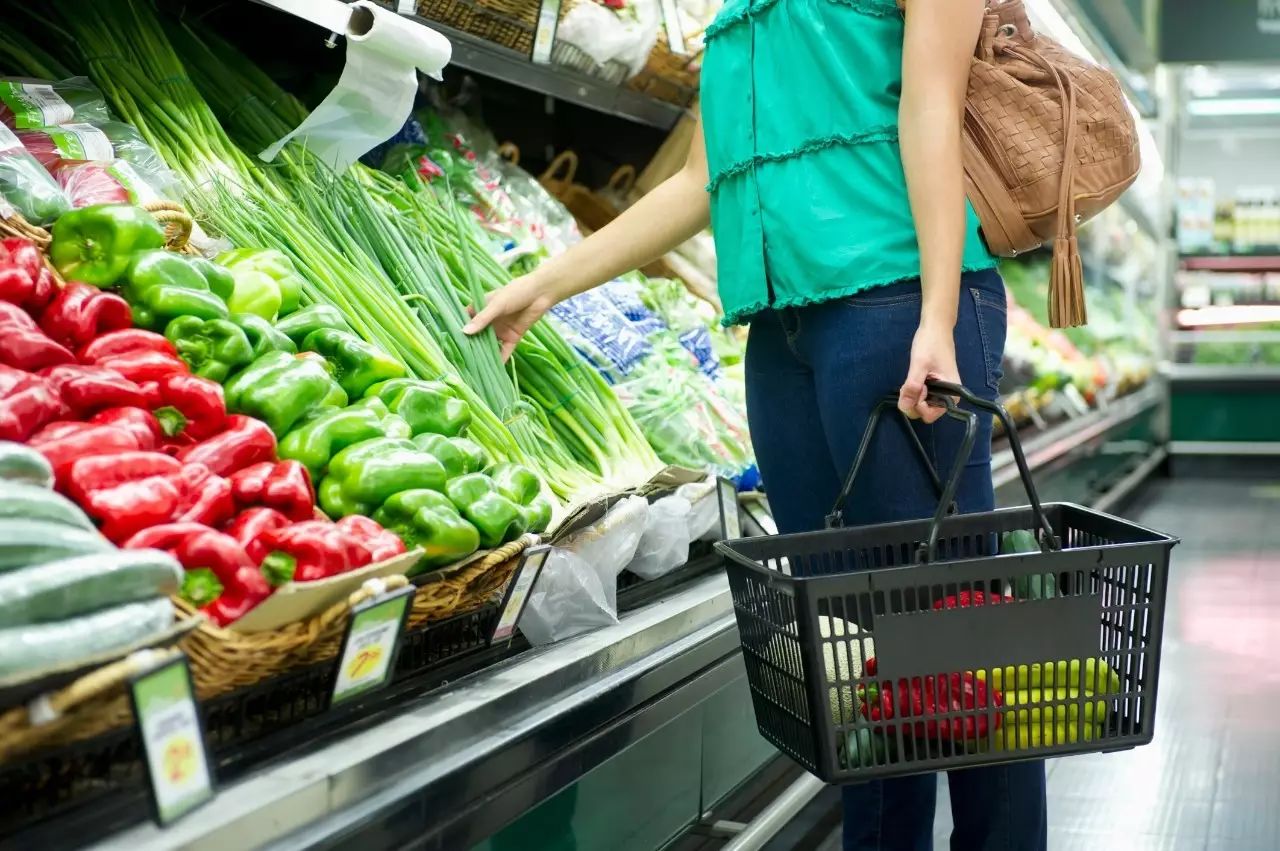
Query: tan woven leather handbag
x,y
1048,143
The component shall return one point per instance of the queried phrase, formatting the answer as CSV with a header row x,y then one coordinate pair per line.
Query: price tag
x,y
177,760
758,511
371,644
730,519
518,591
544,37
675,33
406,7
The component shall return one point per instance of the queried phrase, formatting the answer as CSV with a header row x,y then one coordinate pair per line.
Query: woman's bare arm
x,y
670,214
940,40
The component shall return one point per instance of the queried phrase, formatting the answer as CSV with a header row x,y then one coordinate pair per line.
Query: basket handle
x,y
943,394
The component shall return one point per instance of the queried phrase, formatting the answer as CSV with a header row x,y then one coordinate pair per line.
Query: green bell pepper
x,y
498,519
358,365
298,325
522,486
95,244
429,407
213,348
262,335
280,389
458,455
392,424
327,431
364,476
425,518
161,285
266,281
220,281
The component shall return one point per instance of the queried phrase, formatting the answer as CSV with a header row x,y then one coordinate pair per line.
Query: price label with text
x,y
730,519
518,591
371,644
177,760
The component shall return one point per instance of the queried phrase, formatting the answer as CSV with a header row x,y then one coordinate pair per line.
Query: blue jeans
x,y
813,376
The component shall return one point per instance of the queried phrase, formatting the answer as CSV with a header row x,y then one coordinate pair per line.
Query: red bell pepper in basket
x,y
282,485
94,473
62,443
80,313
221,578
204,497
126,342
305,552
86,389
137,421
249,527
187,406
24,278
377,541
23,345
27,403
922,697
243,442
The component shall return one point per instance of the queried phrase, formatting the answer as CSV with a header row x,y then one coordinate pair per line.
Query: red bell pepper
x,y
922,697
126,342
92,473
205,497
87,389
187,405
25,280
199,548
27,403
80,313
245,441
144,366
137,421
967,599
308,551
282,485
126,509
377,541
62,443
250,525
24,345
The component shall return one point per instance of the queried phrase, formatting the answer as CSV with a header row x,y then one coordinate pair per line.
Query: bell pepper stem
x,y
172,421
278,568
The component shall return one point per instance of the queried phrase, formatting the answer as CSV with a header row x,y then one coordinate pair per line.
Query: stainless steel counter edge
x,y
440,733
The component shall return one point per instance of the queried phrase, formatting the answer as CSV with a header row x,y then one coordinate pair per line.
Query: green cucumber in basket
x,y
63,589
46,646
22,501
27,542
23,464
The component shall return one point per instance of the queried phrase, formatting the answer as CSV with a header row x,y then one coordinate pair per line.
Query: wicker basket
x,y
92,704
669,77
510,23
223,660
465,588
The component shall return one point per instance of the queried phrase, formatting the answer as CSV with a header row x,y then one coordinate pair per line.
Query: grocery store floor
x,y
1211,779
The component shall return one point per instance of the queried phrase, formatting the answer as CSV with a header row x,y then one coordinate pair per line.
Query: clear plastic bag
x,y
664,546
577,590
88,183
704,509
25,186
26,103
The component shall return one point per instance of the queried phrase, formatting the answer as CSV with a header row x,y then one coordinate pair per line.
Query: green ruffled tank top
x,y
800,112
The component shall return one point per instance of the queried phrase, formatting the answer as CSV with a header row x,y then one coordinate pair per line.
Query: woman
x,y
828,162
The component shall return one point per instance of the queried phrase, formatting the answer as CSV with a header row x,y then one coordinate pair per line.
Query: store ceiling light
x,y
1217,107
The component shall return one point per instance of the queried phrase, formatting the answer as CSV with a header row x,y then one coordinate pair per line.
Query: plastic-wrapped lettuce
x,y
26,103
25,186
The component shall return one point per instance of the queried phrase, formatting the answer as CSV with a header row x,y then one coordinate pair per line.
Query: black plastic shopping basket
x,y
905,648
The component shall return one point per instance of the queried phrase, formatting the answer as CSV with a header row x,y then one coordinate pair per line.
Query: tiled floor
x,y
1211,779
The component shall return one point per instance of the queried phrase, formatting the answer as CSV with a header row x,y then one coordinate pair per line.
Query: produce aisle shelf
x,y
493,60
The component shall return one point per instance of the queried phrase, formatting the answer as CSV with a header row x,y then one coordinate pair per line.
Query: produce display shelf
x,y
1045,447
635,592
1231,262
446,770
493,60
1221,376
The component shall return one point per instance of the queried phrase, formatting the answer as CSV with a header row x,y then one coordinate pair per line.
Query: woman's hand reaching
x,y
933,355
511,312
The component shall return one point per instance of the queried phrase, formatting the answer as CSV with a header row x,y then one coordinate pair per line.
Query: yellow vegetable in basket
x,y
1060,705
842,656
1020,732
1099,678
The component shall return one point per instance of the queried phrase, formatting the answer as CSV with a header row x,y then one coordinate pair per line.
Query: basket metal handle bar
x,y
943,394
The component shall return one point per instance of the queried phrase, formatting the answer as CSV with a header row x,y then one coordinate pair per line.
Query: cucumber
x,y
31,649
23,464
62,589
22,501
27,542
